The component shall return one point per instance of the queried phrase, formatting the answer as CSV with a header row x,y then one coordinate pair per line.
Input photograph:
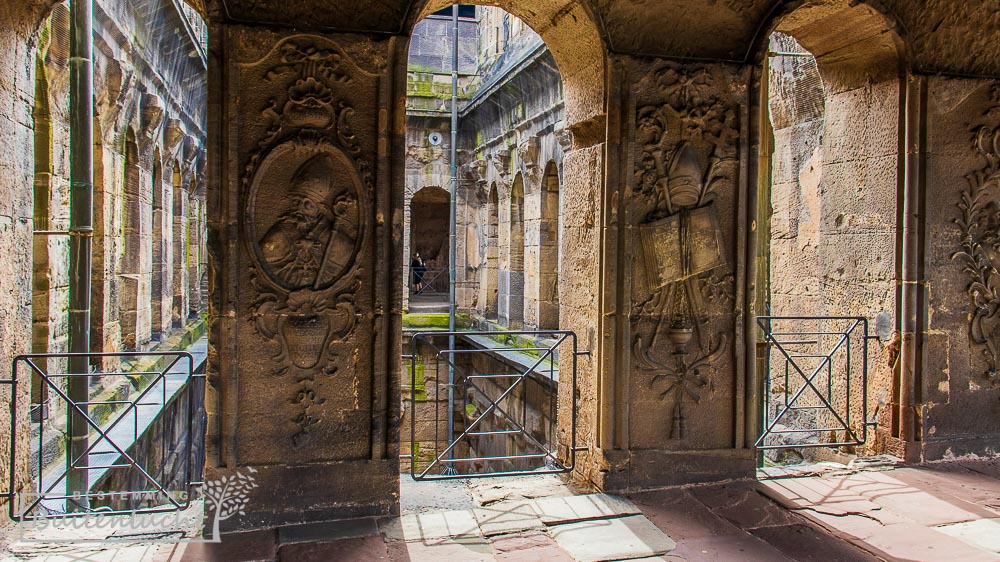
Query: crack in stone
x,y
841,513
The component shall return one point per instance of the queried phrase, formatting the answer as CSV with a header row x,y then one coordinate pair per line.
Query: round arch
x,y
831,172
572,35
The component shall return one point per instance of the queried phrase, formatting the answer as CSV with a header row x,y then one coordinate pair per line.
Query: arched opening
x,y
511,122
194,256
131,246
492,270
512,277
429,211
41,268
548,250
179,306
157,284
831,158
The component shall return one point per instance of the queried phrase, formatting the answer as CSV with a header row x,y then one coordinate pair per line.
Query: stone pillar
x,y
302,361
680,222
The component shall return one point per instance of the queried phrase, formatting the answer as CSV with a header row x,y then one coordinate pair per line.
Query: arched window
x,y
40,328
131,247
548,250
179,305
158,283
492,252
515,293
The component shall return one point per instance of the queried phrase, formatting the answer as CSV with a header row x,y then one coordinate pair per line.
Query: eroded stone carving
x,y
305,188
684,148
980,253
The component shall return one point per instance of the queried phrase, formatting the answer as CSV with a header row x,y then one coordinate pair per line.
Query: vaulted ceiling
x,y
955,36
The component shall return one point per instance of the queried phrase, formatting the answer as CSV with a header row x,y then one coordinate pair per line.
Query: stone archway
x,y
316,365
429,228
831,182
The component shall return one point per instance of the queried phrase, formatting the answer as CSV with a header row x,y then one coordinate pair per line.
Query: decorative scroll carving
x,y
684,148
980,253
305,189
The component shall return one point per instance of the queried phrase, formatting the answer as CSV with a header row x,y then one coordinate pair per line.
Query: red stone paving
x,y
856,517
361,549
728,547
235,547
678,514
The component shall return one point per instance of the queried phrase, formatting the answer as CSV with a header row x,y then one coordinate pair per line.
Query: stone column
x,y
302,305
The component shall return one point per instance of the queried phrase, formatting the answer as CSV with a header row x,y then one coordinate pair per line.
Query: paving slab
x,y
954,481
507,517
982,533
488,491
328,531
612,539
854,526
431,526
359,549
742,505
833,496
909,541
807,544
463,550
529,546
235,547
914,503
741,547
680,515
553,511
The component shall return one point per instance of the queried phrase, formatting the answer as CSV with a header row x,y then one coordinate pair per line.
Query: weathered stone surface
x,y
612,539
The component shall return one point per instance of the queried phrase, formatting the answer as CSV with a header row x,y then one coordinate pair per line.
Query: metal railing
x,y
502,401
435,282
822,374
125,400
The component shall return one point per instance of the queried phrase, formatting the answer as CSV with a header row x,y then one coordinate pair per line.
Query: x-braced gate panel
x,y
815,381
120,463
486,403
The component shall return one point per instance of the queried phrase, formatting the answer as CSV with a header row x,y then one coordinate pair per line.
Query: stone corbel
x,y
150,114
528,153
173,134
479,168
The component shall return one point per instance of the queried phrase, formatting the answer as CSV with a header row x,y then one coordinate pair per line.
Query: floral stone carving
x,y
980,254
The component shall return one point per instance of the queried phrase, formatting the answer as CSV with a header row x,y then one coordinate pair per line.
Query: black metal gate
x,y
128,394
485,403
815,387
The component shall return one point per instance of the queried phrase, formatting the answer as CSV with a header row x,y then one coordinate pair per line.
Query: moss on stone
x,y
430,320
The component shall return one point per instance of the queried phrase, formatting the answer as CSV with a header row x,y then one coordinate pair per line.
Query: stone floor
x,y
828,513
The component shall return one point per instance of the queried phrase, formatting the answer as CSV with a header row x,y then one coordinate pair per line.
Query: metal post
x,y
452,219
81,171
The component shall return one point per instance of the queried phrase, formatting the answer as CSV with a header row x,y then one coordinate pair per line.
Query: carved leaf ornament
x,y
683,150
979,224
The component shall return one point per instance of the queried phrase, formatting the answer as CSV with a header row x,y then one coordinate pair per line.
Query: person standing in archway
x,y
419,269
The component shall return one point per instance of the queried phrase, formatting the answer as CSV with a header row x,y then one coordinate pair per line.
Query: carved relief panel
x,y
680,211
979,224
306,191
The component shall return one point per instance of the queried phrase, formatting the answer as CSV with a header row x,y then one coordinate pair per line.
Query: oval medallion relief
x,y
304,216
